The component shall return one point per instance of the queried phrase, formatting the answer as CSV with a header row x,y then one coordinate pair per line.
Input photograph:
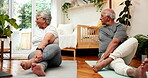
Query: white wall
x,y
89,16
84,16
139,11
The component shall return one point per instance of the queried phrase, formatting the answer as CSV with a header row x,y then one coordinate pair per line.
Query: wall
x,y
89,16
139,24
84,16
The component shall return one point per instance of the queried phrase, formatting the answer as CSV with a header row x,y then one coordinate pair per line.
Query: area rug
x,y
105,73
68,69
4,74
17,56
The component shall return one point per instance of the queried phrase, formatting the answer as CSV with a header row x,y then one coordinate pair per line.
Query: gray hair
x,y
46,15
111,14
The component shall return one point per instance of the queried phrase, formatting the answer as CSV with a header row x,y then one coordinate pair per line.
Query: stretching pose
x,y
45,51
115,50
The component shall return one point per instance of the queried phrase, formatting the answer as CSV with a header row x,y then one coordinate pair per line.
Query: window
x,y
4,7
24,12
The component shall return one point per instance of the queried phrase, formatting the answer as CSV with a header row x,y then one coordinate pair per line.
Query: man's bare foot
x,y
38,69
140,72
26,64
145,64
98,66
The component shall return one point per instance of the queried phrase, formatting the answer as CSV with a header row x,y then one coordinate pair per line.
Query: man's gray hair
x,y
46,15
112,15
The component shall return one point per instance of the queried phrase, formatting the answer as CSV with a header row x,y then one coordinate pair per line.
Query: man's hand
x,y
38,56
100,60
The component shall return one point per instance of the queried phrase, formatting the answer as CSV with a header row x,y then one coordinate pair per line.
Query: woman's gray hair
x,y
111,14
46,15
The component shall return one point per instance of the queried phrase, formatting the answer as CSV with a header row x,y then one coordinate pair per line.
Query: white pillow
x,y
75,31
65,29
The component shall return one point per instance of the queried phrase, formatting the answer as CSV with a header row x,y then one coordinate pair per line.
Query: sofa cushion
x,y
65,29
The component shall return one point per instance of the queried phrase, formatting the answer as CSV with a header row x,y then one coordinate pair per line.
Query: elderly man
x,y
115,52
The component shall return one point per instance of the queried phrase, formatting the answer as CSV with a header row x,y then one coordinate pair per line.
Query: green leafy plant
x,y
125,15
142,46
65,8
5,23
99,4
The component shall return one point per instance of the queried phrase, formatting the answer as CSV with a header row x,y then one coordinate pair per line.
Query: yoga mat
x,y
106,73
68,69
4,74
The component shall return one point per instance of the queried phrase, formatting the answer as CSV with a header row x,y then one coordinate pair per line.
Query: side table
x,y
3,50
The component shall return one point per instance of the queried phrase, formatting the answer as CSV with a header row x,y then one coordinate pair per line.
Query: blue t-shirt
x,y
107,33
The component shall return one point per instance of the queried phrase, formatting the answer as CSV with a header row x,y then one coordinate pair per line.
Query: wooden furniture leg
x,y
71,49
5,50
10,50
74,52
2,50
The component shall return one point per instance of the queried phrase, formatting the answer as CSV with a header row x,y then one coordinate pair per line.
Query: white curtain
x,y
56,12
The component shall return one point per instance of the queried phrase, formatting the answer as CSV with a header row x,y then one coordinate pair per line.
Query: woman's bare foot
x,y
98,66
38,69
26,64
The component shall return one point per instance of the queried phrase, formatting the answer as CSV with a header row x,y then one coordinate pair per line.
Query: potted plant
x,y
142,46
97,3
65,7
5,23
124,15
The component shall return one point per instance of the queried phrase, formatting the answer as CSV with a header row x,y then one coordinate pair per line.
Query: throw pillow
x,y
65,29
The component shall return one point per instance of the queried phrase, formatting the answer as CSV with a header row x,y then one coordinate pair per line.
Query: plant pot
x,y
3,36
143,57
74,3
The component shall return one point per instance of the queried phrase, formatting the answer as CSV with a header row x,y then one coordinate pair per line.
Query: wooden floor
x,y
83,69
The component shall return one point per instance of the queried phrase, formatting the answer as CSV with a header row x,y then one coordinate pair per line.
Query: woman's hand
x,y
38,56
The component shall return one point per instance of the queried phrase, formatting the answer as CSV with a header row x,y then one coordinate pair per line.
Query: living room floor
x,y
83,69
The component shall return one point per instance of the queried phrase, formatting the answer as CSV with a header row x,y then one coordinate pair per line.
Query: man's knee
x,y
134,41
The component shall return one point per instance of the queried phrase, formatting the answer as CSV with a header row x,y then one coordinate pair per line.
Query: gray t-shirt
x,y
107,33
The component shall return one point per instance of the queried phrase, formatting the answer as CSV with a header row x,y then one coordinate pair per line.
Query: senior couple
x,y
115,52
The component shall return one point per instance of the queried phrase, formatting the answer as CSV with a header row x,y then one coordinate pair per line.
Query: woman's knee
x,y
53,46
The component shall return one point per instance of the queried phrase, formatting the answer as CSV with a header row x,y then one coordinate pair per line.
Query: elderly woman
x,y
45,52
